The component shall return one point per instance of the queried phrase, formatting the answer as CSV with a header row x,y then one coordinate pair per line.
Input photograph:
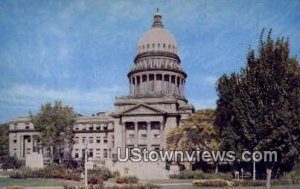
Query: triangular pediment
x,y
142,109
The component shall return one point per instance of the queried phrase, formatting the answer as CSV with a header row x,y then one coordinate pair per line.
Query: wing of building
x,y
155,104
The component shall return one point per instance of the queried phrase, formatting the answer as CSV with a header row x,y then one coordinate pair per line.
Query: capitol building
x,y
155,104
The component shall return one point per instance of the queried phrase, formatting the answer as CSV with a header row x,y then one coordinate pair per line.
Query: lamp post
x,y
85,165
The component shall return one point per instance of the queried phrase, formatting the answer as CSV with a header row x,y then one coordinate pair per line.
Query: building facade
x,y
155,104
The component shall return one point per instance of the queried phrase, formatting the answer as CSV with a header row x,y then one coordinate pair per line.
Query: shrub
x,y
249,183
103,172
136,186
47,172
187,174
15,187
10,162
83,187
116,174
127,180
213,183
95,179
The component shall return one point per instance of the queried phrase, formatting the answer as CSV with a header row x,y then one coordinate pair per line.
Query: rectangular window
x,y
83,140
144,136
156,136
27,127
83,153
129,125
155,125
91,127
76,155
131,136
76,140
142,125
97,152
105,127
91,140
98,139
28,151
98,127
159,77
105,153
91,153
15,141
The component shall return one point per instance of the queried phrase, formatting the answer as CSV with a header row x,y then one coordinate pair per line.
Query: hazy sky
x,y
81,51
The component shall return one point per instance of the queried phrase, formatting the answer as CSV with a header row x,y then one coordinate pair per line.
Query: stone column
x,y
123,137
21,145
136,134
170,84
148,135
161,134
162,88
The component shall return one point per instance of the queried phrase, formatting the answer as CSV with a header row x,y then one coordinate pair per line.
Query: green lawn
x,y
35,182
166,184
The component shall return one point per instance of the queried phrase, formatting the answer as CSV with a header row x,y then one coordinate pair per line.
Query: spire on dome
x,y
157,20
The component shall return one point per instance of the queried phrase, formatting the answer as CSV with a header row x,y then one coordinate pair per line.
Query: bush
x,y
136,186
9,162
213,183
127,180
283,181
103,172
15,187
187,174
95,179
47,172
249,183
83,187
293,177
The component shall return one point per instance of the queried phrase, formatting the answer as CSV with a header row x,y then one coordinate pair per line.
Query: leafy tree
x,y
55,123
4,140
197,133
259,108
6,161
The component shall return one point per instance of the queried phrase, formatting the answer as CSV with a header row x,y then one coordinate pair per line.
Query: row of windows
x,y
159,77
144,136
91,152
142,125
91,139
91,127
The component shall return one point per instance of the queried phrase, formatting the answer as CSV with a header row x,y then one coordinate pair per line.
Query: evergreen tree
x,y
4,140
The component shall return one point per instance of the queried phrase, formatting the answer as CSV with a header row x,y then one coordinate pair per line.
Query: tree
x,y
259,108
55,124
197,132
6,161
4,140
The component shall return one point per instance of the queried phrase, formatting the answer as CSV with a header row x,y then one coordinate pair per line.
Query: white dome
x,y
157,39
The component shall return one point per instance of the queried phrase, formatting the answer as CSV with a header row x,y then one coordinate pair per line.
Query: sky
x,y
80,51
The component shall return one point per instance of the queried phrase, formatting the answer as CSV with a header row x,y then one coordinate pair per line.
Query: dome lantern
x,y
157,39
157,19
